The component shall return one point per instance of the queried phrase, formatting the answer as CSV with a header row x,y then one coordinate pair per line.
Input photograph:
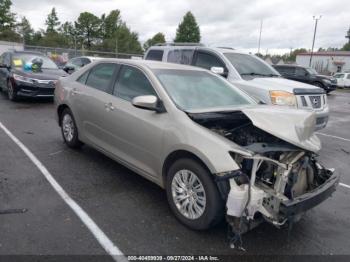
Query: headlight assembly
x,y
282,98
24,79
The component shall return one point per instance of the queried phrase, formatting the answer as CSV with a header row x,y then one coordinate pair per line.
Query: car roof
x,y
217,49
290,65
153,65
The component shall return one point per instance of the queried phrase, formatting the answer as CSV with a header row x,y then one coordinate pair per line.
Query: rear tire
x,y
197,203
69,129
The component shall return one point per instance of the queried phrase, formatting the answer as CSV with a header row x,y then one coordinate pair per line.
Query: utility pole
x,y
316,18
261,25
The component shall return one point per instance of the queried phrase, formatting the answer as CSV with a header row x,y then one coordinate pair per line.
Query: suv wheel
x,y
11,92
193,196
69,129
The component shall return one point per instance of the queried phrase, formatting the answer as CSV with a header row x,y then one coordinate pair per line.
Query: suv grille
x,y
315,101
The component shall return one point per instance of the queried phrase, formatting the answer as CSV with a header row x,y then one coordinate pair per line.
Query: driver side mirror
x,y
218,71
150,102
69,69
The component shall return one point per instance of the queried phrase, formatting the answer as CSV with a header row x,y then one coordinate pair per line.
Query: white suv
x,y
343,79
249,73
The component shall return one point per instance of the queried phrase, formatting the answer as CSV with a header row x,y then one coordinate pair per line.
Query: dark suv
x,y
307,75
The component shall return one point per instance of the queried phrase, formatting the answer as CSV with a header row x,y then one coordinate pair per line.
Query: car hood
x,y
277,83
324,77
291,125
44,74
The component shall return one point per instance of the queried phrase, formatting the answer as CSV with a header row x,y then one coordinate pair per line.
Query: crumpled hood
x,y
277,83
291,125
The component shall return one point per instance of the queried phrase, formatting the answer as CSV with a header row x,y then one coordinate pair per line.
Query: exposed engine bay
x,y
277,183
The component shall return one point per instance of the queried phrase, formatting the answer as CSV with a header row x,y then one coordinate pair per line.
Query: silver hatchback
x,y
215,151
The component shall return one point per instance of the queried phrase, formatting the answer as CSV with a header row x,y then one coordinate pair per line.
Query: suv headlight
x,y
282,98
24,79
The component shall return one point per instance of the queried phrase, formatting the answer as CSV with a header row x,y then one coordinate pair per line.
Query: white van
x,y
249,73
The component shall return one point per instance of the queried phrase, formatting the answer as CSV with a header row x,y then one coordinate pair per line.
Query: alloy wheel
x,y
188,194
68,127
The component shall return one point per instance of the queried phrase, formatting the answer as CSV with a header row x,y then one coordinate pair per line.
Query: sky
x,y
287,24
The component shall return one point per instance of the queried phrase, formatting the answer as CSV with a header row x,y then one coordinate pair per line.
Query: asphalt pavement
x,y
132,211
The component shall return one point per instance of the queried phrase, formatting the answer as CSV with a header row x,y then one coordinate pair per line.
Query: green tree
x,y
156,39
291,57
346,47
25,30
116,36
188,30
110,24
7,22
88,28
52,21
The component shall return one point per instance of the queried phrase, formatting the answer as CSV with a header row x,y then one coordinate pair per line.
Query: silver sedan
x,y
213,149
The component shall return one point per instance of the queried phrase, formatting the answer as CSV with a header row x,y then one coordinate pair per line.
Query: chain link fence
x,y
62,55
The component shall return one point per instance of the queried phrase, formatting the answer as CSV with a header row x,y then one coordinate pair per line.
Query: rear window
x,y
180,56
156,55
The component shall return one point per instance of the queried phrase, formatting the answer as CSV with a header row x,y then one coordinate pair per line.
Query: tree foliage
x,y
346,47
188,30
52,22
156,39
7,22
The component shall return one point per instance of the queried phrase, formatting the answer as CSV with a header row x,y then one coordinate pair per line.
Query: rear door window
x,y
131,83
156,55
348,77
180,56
207,61
101,77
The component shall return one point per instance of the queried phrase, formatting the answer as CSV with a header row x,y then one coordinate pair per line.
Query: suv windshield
x,y
200,90
19,60
311,71
249,66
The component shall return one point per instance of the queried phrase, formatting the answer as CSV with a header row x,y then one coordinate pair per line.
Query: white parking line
x,y
100,236
344,185
337,137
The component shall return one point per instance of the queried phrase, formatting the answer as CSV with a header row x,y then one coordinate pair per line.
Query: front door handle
x,y
75,91
109,107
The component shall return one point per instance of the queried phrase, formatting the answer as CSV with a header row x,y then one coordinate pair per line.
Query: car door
x,y
90,98
138,133
302,75
5,59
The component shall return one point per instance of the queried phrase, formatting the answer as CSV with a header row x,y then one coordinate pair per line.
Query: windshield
x,y
20,60
200,90
311,71
249,66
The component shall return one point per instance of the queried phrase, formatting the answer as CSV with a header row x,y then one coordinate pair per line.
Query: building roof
x,y
327,53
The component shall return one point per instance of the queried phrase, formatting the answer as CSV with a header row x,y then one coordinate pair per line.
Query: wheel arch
x,y
180,154
60,109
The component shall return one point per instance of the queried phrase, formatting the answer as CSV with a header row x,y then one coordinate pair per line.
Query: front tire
x,y
11,92
193,196
69,129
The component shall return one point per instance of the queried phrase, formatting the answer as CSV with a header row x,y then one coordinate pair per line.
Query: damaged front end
x,y
279,177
